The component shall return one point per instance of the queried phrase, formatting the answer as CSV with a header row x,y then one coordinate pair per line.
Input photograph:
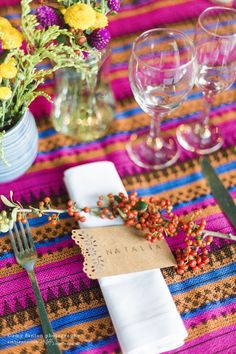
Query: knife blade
x,y
219,191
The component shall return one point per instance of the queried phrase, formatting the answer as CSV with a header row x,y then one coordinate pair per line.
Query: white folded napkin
x,y
141,307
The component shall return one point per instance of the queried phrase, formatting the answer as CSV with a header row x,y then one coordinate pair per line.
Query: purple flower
x,y
85,54
48,16
114,5
99,38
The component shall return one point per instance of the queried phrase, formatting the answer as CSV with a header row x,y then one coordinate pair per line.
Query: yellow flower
x,y
80,16
62,9
11,38
8,70
4,22
12,61
5,93
100,21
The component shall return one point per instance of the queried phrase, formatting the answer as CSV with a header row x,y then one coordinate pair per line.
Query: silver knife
x,y
219,192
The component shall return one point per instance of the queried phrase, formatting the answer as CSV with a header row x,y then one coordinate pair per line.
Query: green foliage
x,y
55,45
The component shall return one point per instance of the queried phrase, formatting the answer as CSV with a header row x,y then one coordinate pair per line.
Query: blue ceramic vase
x,y
20,146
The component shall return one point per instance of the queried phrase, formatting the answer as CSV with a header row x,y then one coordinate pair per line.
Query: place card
x,y
119,250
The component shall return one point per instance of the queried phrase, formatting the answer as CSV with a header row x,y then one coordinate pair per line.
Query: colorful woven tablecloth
x,y
76,308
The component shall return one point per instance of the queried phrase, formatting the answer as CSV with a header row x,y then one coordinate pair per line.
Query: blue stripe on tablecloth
x,y
193,177
46,133
136,110
58,324
210,306
125,134
198,200
40,244
202,279
189,31
123,115
91,345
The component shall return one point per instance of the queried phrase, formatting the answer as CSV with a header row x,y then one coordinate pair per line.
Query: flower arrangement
x,y
154,217
65,33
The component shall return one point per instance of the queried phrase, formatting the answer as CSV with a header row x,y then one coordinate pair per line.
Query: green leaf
x,y
7,202
121,213
14,214
142,206
117,199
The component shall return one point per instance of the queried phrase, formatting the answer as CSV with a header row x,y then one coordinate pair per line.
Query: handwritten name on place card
x,y
120,250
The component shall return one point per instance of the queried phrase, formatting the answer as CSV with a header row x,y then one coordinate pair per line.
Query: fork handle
x,y
50,340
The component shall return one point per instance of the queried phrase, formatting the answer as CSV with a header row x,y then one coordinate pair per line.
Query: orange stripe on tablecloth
x,y
76,335
46,259
207,293
115,147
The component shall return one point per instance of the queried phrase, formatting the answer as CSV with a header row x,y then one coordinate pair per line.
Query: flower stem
x,y
219,234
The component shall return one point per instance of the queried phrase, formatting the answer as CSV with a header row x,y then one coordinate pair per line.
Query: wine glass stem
x,y
207,103
154,139
204,124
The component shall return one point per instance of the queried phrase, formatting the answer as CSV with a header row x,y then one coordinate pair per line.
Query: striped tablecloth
x,y
75,304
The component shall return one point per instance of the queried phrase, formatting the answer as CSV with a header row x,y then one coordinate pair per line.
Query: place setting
x,y
117,239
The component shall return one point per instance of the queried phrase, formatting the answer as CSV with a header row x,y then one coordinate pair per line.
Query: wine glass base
x,y
192,138
146,156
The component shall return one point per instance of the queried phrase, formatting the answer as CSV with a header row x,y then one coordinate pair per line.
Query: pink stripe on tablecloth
x,y
55,274
207,315
158,17
9,3
217,342
110,348
43,250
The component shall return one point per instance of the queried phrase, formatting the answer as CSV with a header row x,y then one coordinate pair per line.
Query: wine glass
x,y
215,41
161,74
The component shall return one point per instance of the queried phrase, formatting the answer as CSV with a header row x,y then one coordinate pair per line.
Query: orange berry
x,y
70,203
81,40
82,219
86,210
47,200
70,212
54,222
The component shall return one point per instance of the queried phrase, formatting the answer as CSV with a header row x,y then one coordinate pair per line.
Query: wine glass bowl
x,y
161,74
215,41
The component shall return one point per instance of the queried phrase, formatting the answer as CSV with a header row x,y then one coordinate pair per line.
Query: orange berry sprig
x,y
154,217
45,208
157,221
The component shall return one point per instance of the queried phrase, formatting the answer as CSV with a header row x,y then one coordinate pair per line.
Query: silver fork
x,y
26,257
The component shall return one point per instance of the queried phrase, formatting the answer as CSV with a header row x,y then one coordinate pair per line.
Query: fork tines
x,y
24,235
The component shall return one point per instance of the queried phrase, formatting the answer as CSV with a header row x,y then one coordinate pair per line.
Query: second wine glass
x,y
161,74
215,41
